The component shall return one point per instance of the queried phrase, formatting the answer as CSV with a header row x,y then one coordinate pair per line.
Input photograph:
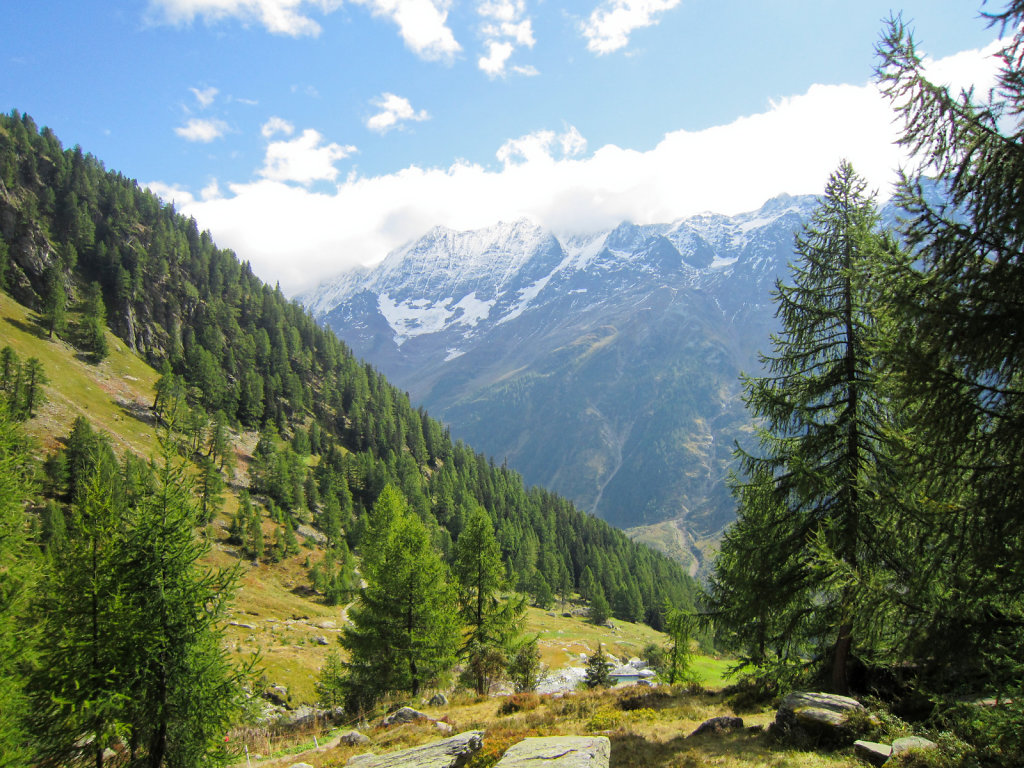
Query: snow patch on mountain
x,y
525,297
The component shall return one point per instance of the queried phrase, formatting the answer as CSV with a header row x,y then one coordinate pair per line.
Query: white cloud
x,y
276,125
181,198
610,25
211,191
204,96
394,110
281,17
422,25
203,131
539,147
299,236
303,160
505,27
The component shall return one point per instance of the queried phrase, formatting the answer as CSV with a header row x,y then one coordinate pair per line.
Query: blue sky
x,y
311,135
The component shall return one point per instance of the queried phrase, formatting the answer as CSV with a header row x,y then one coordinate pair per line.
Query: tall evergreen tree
x,y
17,573
55,301
404,629
492,623
959,364
33,380
807,501
133,653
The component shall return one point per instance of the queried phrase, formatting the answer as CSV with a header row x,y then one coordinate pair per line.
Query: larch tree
x,y
404,627
17,575
492,623
959,364
785,582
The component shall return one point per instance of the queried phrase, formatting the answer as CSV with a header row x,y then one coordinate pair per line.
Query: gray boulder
x,y
450,753
908,743
438,700
404,715
353,739
722,724
872,752
801,707
558,752
822,717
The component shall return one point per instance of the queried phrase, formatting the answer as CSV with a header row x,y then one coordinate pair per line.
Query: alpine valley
x,y
604,366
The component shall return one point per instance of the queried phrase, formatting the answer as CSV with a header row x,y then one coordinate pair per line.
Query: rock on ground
x,y
872,752
450,753
558,752
353,738
404,715
908,743
720,724
826,709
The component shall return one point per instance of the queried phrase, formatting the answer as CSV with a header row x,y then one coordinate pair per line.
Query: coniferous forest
x,y
879,542
89,249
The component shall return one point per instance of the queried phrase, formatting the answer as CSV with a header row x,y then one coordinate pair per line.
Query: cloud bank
x,y
300,236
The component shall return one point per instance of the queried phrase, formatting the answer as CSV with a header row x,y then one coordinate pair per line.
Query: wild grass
x,y
657,736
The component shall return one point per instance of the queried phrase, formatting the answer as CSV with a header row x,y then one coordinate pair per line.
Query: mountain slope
x,y
333,432
603,365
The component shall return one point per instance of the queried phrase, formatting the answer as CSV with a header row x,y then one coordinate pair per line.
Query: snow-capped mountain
x,y
601,365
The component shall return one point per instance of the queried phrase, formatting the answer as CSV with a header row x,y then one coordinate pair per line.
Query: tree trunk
x,y
840,684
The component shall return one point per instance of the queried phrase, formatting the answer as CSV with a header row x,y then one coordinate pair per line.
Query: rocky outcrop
x,y
559,752
450,753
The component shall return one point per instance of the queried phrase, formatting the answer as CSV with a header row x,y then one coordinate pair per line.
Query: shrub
x,y
519,702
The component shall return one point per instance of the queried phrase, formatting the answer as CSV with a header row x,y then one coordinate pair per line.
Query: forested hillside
x,y
101,548
250,358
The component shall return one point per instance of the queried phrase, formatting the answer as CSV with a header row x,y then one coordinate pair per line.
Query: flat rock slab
x,y
872,752
559,752
908,743
450,753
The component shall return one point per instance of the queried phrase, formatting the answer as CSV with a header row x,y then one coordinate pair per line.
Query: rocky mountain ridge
x,y
603,365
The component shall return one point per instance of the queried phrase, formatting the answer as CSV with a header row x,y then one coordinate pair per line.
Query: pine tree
x,y
33,380
525,668
959,364
186,689
55,301
598,670
808,498
492,623
93,325
17,575
133,646
599,609
404,629
83,685
680,627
